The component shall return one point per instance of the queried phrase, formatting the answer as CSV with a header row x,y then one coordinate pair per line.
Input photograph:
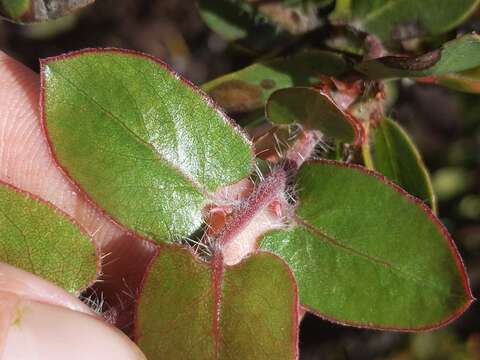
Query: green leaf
x,y
260,24
466,81
233,19
26,11
394,155
242,22
404,19
189,309
314,110
249,88
38,238
14,9
142,142
362,252
456,55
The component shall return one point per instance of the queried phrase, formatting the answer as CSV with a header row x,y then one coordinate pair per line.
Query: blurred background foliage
x,y
445,125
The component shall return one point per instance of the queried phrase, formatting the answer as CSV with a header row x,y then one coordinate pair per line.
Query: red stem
x,y
267,191
303,148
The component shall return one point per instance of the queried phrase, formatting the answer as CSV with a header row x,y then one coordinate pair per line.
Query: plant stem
x,y
302,149
270,189
264,210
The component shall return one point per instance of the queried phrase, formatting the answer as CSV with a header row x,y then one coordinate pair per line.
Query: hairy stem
x,y
272,187
264,209
303,148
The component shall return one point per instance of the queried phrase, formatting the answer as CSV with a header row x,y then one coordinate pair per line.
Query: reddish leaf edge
x,y
358,128
65,216
216,284
446,235
43,121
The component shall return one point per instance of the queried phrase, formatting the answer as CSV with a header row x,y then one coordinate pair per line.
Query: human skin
x,y
26,162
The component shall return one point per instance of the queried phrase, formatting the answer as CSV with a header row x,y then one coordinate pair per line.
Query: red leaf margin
x,y
358,128
155,60
446,235
217,275
64,215
450,243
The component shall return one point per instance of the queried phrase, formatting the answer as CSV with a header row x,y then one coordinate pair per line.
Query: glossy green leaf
x,y
26,11
393,154
456,55
249,88
366,253
189,309
38,238
404,19
147,146
466,81
314,110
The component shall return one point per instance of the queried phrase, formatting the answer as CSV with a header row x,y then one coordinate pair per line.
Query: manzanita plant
x,y
312,199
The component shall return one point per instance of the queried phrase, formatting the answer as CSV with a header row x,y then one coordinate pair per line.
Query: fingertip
x,y
11,69
43,331
30,286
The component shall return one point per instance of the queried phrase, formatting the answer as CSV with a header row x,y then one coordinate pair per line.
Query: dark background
x,y
444,124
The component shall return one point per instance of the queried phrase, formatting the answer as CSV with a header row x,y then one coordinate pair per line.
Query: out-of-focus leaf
x,y
466,81
249,88
240,21
449,182
26,11
50,29
454,56
143,143
361,252
295,20
405,19
232,19
194,310
442,344
261,22
393,154
314,110
38,238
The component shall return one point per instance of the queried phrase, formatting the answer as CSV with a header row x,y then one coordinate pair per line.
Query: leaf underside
x,y
466,81
193,310
147,146
456,55
248,89
403,19
365,253
314,110
40,239
395,156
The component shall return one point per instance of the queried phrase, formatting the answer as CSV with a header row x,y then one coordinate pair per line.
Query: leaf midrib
x,y
119,122
372,259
